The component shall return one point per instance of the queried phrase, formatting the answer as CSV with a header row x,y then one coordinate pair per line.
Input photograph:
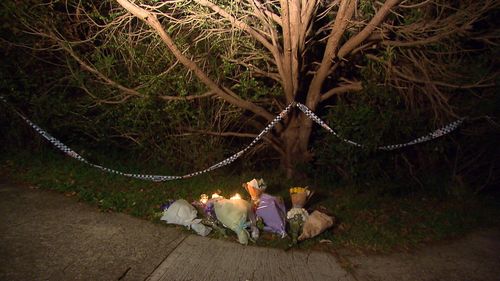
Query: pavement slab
x,y
473,257
199,258
45,235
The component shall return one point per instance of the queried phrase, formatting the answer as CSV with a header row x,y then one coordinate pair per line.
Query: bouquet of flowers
x,y
182,213
316,223
255,188
300,196
233,214
272,211
206,208
296,218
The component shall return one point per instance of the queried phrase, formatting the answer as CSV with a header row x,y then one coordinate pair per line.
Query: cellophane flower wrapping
x,y
299,196
297,211
208,215
272,211
316,223
233,214
255,188
296,218
182,213
296,223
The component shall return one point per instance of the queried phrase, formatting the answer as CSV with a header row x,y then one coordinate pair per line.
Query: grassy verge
x,y
366,218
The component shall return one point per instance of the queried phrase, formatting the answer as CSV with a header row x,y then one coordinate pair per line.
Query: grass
x,y
367,218
378,223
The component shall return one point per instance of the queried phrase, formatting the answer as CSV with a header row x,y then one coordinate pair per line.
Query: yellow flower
x,y
297,189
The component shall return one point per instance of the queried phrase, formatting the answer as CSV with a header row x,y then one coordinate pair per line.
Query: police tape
x,y
160,178
432,135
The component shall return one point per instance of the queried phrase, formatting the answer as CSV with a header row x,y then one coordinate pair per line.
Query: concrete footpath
x,y
47,236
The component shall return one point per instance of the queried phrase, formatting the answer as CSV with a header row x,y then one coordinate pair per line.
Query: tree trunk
x,y
295,140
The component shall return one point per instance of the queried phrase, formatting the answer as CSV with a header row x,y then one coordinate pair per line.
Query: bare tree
x,y
301,47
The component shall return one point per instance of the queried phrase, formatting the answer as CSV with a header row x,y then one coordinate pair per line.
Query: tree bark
x,y
295,21
295,139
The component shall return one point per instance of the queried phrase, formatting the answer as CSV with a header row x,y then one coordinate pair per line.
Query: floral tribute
x,y
247,218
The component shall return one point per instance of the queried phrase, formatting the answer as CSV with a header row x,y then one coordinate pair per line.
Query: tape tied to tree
x,y
160,178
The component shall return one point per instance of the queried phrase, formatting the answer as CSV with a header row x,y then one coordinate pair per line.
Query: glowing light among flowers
x,y
236,196
215,195
204,198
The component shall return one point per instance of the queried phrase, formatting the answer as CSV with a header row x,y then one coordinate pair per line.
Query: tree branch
x,y
218,134
308,10
187,98
153,22
346,10
260,8
233,134
130,92
100,75
251,67
441,83
352,87
272,47
420,42
413,78
290,15
377,19
238,24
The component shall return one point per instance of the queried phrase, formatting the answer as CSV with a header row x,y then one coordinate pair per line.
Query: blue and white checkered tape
x,y
159,178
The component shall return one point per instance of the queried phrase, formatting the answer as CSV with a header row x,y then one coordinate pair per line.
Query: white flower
x,y
297,211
